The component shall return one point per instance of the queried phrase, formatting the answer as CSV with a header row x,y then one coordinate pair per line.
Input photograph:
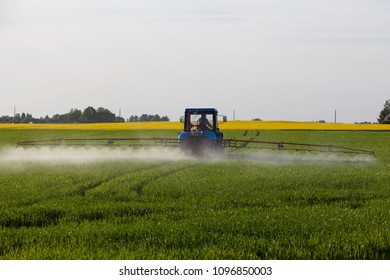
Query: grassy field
x,y
93,204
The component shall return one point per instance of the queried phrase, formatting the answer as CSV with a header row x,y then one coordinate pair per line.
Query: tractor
x,y
201,135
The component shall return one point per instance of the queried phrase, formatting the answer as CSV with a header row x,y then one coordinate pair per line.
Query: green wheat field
x,y
88,203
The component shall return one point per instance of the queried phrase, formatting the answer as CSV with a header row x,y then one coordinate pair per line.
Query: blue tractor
x,y
201,135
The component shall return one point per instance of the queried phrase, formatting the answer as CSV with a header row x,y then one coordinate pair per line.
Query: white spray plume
x,y
297,157
79,155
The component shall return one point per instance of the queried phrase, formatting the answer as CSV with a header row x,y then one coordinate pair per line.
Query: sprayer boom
x,y
226,144
288,146
108,142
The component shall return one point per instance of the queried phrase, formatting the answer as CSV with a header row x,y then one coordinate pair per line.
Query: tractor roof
x,y
201,110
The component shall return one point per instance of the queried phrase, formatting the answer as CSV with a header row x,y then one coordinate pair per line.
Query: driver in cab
x,y
203,123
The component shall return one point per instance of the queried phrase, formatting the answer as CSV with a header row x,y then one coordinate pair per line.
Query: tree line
x,y
147,118
88,115
384,115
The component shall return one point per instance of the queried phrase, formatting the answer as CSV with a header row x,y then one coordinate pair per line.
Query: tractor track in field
x,y
52,216
83,189
92,186
139,187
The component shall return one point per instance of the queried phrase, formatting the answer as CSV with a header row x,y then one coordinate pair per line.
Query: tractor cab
x,y
200,120
201,133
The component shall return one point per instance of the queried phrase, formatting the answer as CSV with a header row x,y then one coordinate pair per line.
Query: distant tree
x,y
155,118
75,115
89,115
119,119
143,118
17,118
104,115
6,119
384,115
64,118
55,118
26,118
133,118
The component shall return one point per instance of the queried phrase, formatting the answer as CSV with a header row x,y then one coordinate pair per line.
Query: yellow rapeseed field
x,y
101,126
288,125
231,125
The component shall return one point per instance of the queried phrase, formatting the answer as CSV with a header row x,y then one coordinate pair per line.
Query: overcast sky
x,y
271,59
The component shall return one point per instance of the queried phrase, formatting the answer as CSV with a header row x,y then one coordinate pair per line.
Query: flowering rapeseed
x,y
230,125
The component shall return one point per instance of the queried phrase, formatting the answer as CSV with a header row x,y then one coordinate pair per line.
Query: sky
x,y
298,60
